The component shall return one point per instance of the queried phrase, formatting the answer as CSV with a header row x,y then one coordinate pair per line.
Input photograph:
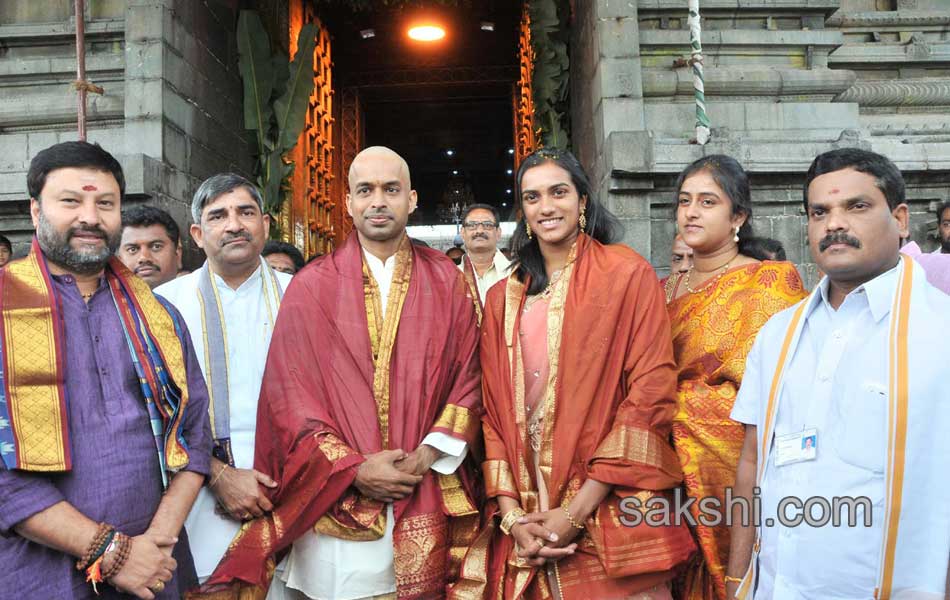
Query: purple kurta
x,y
115,474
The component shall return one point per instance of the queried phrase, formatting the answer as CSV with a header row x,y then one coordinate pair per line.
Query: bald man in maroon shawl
x,y
369,406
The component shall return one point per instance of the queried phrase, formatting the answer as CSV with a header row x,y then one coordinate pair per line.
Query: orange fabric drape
x,y
613,403
713,331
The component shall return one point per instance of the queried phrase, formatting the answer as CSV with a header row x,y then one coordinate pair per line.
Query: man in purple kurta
x,y
47,520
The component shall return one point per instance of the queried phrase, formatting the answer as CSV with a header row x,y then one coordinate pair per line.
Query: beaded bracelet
x,y
123,548
97,547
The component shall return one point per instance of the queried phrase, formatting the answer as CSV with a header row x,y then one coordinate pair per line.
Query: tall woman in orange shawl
x,y
578,386
716,308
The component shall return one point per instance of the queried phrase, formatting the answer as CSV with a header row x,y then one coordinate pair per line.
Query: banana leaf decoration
x,y
276,96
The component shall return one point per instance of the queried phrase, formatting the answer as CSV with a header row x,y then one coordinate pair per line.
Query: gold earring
x,y
583,219
527,229
735,238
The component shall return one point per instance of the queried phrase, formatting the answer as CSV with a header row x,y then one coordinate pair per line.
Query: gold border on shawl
x,y
333,447
469,275
897,425
555,329
458,420
162,327
514,300
420,556
454,498
31,355
472,580
640,446
498,478
384,339
328,525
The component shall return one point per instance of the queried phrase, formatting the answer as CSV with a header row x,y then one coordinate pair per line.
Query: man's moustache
x,y
838,238
238,236
97,231
479,236
146,264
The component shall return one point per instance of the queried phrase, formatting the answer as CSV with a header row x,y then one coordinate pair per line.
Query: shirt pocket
x,y
858,433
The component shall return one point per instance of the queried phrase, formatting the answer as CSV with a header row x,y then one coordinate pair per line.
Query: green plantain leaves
x,y
291,106
276,97
254,61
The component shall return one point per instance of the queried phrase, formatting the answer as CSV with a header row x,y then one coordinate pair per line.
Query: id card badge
x,y
796,447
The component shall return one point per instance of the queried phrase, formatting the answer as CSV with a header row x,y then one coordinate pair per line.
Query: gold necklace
x,y
722,271
553,280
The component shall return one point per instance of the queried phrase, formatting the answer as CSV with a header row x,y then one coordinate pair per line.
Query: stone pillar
x,y
607,96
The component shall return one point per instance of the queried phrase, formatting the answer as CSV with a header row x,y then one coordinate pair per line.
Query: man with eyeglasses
x,y
483,264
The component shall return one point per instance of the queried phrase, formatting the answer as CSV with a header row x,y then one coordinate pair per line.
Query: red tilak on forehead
x,y
90,188
833,191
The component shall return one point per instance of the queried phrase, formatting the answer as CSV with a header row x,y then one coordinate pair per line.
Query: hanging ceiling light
x,y
426,33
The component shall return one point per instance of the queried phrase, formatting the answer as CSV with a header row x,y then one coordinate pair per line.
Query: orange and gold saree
x,y
607,399
713,331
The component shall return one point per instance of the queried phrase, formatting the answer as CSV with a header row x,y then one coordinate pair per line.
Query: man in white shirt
x,y
483,264
370,401
843,397
230,306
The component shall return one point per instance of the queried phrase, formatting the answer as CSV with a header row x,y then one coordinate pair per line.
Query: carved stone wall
x,y
784,80
172,97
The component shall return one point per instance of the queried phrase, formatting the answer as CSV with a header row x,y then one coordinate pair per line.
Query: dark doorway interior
x,y
446,106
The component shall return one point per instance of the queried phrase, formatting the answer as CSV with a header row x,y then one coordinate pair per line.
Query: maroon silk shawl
x,y
317,415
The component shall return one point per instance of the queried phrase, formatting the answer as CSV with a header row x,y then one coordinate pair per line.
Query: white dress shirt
x,y
323,567
495,273
837,382
247,321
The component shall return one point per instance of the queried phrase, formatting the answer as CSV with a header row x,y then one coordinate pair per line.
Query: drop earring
x,y
735,238
583,220
527,229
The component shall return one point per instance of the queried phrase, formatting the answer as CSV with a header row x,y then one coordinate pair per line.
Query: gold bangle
x,y
221,471
733,579
510,519
571,520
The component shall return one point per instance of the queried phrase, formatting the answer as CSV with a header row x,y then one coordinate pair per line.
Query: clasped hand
x,y
240,492
393,474
544,536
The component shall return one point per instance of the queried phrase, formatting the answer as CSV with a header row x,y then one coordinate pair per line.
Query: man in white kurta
x,y
483,262
243,296
820,385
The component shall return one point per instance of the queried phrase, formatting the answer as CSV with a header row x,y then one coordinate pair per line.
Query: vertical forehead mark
x,y
90,188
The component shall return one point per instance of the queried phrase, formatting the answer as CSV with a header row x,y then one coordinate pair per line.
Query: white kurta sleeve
x,y
454,449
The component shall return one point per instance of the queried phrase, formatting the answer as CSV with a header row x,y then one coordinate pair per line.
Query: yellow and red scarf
x,y
34,427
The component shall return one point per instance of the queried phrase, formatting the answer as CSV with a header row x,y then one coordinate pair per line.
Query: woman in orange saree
x,y
716,309
578,388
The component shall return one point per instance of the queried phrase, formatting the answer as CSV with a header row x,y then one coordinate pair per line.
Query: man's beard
x,y
945,246
57,250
